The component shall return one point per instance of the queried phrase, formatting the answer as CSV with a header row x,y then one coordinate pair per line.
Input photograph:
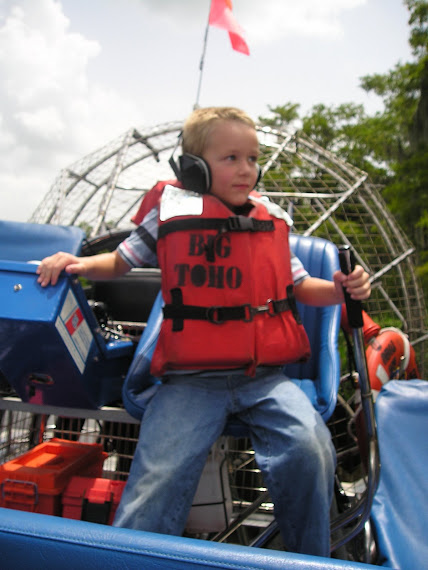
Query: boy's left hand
x,y
357,283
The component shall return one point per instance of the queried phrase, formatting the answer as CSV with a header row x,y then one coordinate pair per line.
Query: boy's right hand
x,y
51,267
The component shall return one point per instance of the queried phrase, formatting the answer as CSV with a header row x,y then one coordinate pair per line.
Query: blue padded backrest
x,y
28,242
139,384
400,505
318,378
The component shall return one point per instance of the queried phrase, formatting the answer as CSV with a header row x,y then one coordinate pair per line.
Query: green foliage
x,y
281,116
418,21
407,194
87,228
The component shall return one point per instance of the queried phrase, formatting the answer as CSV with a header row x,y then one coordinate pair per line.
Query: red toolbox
x,y
91,499
35,480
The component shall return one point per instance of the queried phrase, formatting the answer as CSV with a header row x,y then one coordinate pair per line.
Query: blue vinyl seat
x,y
400,506
32,540
28,242
318,377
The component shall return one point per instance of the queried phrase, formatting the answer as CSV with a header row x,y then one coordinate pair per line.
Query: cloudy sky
x,y
75,74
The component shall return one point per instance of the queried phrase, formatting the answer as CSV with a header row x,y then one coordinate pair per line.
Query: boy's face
x,y
231,151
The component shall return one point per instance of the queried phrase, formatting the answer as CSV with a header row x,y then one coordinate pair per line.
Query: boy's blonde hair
x,y
199,124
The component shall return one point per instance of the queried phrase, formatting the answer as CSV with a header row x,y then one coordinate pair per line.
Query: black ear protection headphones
x,y
194,172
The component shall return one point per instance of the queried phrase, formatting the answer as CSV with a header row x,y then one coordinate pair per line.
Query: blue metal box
x,y
51,350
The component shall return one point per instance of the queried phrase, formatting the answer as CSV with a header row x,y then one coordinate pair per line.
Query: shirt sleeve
x,y
298,272
139,248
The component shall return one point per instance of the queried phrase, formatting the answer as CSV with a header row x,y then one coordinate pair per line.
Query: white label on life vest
x,y
74,331
382,374
178,202
274,210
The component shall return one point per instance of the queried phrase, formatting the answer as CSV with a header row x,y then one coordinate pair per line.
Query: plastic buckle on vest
x,y
268,308
248,313
240,224
272,312
213,315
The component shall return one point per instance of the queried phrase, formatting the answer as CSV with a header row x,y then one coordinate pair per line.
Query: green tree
x,y
282,116
404,91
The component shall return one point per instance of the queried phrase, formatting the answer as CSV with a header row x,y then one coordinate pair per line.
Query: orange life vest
x,y
227,287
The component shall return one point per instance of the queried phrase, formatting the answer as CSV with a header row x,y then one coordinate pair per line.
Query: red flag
x,y
221,16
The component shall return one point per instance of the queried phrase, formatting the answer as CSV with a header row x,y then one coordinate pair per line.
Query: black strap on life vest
x,y
231,224
218,315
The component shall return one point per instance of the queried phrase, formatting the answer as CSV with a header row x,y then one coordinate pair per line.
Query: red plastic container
x,y
35,480
92,499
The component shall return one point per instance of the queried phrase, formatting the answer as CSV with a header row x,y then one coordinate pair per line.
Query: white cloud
x,y
268,21
43,124
20,192
51,113
43,70
264,21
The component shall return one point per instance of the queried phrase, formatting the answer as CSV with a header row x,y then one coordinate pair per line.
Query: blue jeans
x,y
189,412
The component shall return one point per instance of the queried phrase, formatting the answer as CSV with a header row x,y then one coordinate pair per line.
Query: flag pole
x,y
201,64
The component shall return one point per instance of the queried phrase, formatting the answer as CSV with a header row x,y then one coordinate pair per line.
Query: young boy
x,y
229,283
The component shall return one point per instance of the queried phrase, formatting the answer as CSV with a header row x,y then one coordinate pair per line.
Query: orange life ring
x,y
389,354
